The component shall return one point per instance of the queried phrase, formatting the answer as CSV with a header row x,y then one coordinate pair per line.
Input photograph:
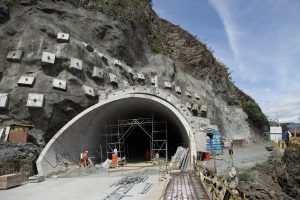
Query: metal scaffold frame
x,y
116,135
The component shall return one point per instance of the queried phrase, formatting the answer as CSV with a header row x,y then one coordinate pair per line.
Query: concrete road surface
x,y
89,187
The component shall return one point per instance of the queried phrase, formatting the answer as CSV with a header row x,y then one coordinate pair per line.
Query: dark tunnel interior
x,y
166,126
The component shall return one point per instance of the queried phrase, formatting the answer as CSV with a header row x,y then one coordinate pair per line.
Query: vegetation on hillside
x,y
255,115
11,2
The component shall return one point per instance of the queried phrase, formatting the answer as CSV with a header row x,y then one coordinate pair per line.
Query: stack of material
x,y
180,158
10,180
125,184
132,179
106,164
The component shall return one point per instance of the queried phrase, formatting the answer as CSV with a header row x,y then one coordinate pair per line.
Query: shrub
x,y
254,112
11,2
244,176
154,44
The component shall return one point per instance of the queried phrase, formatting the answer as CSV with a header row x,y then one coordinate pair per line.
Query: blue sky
x,y
258,40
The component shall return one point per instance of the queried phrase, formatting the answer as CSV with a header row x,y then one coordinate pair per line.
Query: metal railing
x,y
216,187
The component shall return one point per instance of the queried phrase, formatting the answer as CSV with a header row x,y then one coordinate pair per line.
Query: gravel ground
x,y
243,157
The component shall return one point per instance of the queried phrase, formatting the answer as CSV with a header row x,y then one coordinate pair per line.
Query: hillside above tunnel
x,y
101,34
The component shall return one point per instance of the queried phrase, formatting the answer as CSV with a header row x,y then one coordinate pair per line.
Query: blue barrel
x,y
283,135
216,143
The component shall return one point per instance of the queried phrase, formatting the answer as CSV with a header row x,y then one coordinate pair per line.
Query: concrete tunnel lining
x,y
85,130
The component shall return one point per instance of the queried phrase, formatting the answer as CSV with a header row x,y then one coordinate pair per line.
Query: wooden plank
x,y
10,180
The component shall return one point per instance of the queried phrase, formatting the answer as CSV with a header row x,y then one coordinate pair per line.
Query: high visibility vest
x,y
84,156
114,157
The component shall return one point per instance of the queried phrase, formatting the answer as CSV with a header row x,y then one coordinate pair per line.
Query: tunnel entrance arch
x,y
84,132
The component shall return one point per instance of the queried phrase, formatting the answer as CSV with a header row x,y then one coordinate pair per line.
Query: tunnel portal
x,y
97,128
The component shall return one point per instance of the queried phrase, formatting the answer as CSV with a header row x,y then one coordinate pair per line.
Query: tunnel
x,y
142,120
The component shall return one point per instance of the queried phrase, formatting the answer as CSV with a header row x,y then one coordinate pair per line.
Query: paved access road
x,y
96,186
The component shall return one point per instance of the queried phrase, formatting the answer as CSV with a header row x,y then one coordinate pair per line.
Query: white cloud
x,y
263,52
266,53
231,29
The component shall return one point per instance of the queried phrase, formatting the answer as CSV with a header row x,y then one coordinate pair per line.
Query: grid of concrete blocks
x,y
36,100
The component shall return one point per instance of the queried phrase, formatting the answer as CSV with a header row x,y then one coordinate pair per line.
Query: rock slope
x,y
129,31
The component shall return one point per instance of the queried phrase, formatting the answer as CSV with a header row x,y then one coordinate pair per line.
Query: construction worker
x,y
147,154
85,158
290,136
287,139
114,159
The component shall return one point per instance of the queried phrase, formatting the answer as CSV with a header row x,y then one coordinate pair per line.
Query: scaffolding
x,y
116,135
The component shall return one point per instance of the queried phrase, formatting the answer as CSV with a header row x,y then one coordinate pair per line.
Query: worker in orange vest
x,y
85,158
114,160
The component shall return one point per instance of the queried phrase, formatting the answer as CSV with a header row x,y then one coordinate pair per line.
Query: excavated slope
x,y
121,30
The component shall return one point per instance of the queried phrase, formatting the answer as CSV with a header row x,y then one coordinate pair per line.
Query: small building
x,y
19,133
275,133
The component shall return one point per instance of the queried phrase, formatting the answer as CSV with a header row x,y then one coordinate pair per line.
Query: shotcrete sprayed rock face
x,y
61,62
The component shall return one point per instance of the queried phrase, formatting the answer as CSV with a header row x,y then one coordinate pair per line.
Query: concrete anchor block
x,y
4,98
59,84
188,94
2,131
154,81
188,105
97,73
141,77
89,91
113,78
26,81
102,56
88,47
48,58
15,55
63,37
167,85
76,64
203,108
126,84
117,63
195,107
131,73
177,89
35,100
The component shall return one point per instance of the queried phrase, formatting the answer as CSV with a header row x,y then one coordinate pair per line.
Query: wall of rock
x,y
102,39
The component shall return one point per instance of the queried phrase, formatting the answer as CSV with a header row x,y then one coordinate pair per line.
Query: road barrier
x,y
216,187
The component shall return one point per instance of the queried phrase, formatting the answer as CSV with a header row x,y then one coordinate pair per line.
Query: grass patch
x,y
254,112
11,2
244,176
155,44
155,47
124,8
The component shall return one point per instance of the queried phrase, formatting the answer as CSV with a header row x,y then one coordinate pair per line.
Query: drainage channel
x,y
184,186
